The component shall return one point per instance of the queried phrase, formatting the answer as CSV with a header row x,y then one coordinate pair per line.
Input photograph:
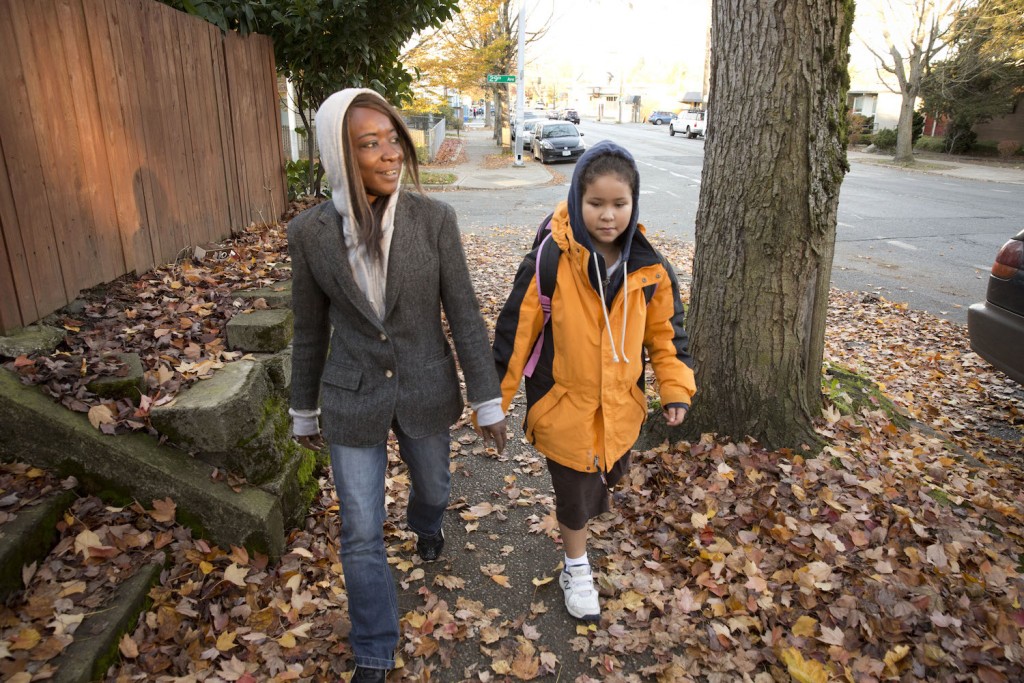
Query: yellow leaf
x,y
805,626
632,600
501,580
893,657
205,567
541,582
100,415
415,619
26,639
86,540
803,670
286,641
698,520
236,574
726,472
226,641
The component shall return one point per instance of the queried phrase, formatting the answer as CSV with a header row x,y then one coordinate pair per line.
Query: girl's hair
x,y
611,164
368,216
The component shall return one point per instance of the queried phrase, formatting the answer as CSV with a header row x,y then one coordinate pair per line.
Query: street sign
x,y
501,78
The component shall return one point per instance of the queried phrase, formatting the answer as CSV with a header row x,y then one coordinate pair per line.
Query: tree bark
x,y
765,234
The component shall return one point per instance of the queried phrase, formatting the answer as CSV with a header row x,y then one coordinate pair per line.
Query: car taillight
x,y
1009,260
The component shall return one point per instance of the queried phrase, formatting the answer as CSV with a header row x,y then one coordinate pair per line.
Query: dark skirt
x,y
581,496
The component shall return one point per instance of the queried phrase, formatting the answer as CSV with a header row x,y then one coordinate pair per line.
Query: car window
x,y
529,125
558,131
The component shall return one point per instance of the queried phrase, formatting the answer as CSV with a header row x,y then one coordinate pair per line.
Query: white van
x,y
689,123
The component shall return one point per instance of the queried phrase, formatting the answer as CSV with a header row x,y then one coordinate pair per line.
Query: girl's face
x,y
607,206
378,152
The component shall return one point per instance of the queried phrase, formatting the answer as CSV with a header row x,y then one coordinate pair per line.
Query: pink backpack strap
x,y
545,304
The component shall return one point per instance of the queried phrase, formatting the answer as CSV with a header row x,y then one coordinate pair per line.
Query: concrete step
x,y
28,538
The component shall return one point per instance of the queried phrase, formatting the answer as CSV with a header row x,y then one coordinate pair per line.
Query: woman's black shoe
x,y
364,675
429,547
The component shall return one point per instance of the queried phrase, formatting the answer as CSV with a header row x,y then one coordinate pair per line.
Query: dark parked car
x,y
555,140
660,117
571,115
996,326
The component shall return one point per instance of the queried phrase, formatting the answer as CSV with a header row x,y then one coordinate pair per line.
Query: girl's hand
x,y
498,432
314,442
674,416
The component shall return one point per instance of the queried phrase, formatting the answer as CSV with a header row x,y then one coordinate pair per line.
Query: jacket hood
x,y
330,137
575,202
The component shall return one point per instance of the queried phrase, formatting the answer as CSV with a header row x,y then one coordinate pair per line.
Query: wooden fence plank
x,y
28,173
233,52
11,301
128,133
218,50
116,140
96,197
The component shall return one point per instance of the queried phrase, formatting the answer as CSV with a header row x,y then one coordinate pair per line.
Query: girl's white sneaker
x,y
577,583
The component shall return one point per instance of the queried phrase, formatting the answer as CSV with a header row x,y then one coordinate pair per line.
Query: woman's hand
x,y
674,415
498,432
313,442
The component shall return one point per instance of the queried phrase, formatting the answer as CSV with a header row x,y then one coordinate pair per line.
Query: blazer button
x,y
383,337
389,374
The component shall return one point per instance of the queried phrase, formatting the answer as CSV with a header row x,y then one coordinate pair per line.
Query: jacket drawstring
x,y
625,310
604,308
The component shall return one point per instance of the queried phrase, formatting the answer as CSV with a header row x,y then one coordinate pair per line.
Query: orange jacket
x,y
584,407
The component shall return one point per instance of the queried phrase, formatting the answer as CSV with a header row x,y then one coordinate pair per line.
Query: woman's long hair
x,y
368,215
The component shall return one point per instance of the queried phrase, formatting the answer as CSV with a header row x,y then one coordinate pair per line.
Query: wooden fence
x,y
129,132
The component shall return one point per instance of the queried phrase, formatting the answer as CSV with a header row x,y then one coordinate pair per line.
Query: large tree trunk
x,y
765,235
905,129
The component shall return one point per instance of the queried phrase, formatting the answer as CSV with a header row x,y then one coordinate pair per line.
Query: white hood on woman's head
x,y
330,139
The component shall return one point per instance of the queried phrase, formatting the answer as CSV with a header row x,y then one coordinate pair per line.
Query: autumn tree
x,y
766,221
911,32
322,47
482,39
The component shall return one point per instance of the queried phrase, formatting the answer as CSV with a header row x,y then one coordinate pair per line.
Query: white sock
x,y
581,561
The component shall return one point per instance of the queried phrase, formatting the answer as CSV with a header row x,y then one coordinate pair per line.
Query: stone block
x,y
216,416
28,537
266,331
31,339
36,430
278,367
276,296
131,385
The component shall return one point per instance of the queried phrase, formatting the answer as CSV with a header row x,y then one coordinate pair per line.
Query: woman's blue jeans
x,y
359,483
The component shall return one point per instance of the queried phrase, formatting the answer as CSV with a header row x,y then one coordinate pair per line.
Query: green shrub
x,y
917,128
858,128
1007,148
885,139
985,148
959,137
297,173
929,143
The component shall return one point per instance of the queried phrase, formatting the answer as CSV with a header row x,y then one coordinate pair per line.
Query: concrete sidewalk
x,y
992,172
473,174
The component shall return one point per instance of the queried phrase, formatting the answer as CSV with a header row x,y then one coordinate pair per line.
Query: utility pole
x,y
520,84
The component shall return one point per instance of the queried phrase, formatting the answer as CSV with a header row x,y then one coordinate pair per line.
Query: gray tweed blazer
x,y
375,371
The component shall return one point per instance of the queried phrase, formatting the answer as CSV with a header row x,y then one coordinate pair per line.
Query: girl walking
x,y
614,296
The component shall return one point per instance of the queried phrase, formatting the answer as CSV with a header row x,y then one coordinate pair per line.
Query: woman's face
x,y
378,152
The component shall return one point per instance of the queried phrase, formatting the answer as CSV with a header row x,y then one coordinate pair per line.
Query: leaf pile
x,y
890,556
172,317
451,153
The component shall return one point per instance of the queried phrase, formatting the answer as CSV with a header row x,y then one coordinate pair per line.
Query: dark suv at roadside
x,y
572,115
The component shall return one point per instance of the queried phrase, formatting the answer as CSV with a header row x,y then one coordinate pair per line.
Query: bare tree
x,y
912,32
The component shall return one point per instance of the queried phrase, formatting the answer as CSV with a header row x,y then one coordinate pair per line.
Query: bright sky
x,y
653,40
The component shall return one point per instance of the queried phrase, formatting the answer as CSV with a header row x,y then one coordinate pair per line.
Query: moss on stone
x,y
851,393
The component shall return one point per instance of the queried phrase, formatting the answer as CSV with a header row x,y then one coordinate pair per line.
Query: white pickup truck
x,y
688,123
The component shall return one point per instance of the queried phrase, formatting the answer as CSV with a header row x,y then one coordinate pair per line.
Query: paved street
x,y
923,238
